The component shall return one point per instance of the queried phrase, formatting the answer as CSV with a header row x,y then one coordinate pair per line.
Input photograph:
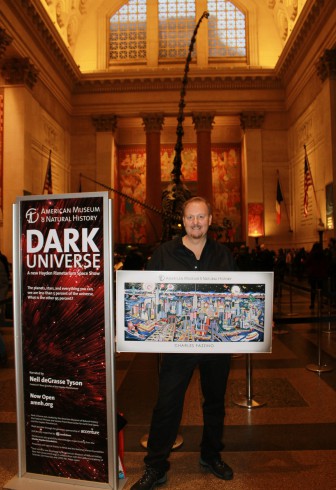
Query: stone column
x,y
153,125
326,70
252,167
106,126
203,125
20,77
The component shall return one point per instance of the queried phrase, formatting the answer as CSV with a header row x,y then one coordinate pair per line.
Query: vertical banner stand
x,y
249,401
319,367
64,343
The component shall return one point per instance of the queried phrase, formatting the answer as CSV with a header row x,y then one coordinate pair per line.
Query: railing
x,y
280,317
291,317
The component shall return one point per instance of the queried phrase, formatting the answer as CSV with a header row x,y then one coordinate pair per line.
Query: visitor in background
x,y
316,266
332,265
279,271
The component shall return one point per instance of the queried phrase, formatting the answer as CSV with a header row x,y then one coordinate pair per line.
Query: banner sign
x,y
63,324
193,312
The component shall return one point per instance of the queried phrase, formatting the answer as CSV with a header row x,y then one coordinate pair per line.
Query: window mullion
x,y
202,35
152,33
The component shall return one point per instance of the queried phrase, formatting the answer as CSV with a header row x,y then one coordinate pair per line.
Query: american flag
x,y
308,181
47,188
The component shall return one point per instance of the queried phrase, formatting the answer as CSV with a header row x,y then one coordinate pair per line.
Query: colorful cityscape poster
x,y
194,312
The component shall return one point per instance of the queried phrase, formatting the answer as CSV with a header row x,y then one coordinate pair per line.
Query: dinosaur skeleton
x,y
176,192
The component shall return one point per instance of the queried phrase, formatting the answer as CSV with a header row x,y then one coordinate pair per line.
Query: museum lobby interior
x,y
102,109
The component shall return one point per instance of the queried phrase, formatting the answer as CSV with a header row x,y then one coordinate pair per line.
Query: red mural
x,y
226,178
132,181
226,185
189,163
255,219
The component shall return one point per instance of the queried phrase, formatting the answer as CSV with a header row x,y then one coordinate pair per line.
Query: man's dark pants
x,y
176,371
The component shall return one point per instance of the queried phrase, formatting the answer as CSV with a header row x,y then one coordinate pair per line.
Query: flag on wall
x,y
279,199
308,181
47,188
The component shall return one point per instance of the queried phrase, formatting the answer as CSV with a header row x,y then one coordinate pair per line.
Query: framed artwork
x,y
190,312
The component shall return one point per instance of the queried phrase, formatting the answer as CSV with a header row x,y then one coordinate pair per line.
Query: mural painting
x,y
226,185
226,178
132,181
189,163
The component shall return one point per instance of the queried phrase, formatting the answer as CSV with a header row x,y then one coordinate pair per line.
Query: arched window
x,y
177,20
173,29
226,30
128,32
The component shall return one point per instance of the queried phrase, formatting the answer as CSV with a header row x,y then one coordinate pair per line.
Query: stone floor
x,y
287,442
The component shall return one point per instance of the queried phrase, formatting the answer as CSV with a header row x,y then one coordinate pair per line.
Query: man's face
x,y
196,219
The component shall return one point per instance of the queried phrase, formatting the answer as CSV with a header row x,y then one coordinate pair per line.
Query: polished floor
x,y
287,440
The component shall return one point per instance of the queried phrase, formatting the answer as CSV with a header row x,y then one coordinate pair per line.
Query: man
x,y
195,251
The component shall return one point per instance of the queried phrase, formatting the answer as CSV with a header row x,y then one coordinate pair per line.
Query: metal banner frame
x,y
94,440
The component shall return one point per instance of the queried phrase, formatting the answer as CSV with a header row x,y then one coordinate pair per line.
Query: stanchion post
x,y
319,367
290,299
329,330
248,401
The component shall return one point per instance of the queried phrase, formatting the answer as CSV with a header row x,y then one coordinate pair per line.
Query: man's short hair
x,y
196,199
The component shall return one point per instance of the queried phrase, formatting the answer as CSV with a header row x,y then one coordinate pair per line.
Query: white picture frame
x,y
193,312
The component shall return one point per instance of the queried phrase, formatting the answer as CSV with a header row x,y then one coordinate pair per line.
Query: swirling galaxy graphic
x,y
63,332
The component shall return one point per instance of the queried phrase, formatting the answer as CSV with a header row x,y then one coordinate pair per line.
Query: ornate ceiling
x,y
60,42
74,18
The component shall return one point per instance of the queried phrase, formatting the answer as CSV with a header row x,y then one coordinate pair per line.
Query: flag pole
x,y
283,198
47,186
313,186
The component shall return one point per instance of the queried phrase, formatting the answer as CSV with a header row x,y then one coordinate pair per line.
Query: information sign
x,y
62,316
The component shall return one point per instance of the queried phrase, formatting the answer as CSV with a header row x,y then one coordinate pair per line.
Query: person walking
x,y
195,251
